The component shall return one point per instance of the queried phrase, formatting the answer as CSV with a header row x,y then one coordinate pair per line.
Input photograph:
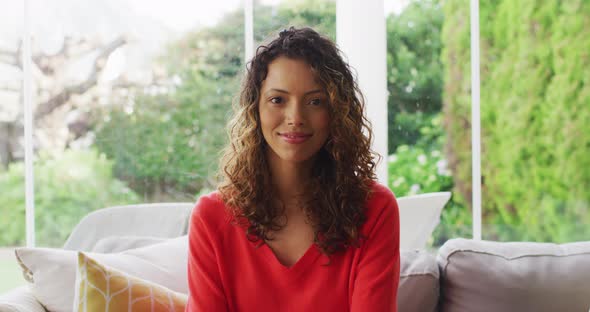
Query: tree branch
x,y
62,97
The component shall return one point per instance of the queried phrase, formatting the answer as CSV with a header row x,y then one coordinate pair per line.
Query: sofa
x,y
463,275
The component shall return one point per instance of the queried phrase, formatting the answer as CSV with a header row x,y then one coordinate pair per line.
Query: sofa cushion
x,y
52,272
112,244
101,288
20,300
493,276
419,282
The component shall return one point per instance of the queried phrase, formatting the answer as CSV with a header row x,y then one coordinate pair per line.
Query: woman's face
x,y
293,110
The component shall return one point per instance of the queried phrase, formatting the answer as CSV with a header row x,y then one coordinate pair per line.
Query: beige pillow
x,y
100,288
493,276
52,272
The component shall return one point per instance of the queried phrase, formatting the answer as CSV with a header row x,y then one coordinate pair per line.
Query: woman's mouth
x,y
295,137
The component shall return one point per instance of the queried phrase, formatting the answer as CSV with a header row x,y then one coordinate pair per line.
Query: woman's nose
x,y
295,115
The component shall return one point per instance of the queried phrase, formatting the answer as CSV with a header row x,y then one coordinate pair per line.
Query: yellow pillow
x,y
98,286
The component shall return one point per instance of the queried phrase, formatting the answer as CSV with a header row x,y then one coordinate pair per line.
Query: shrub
x,y
414,75
67,187
422,168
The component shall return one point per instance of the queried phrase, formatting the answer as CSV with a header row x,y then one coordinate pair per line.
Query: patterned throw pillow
x,y
52,271
98,286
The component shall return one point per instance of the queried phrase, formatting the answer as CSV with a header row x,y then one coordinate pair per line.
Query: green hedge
x,y
67,188
535,95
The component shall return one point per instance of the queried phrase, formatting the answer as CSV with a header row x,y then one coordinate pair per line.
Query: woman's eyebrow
x,y
287,92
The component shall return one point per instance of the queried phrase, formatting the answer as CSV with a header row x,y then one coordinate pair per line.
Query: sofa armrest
x,y
20,300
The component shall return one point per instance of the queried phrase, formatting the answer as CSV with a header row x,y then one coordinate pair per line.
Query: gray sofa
x,y
464,275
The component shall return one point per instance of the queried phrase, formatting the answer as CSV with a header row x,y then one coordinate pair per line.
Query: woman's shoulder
x,y
211,211
381,203
380,193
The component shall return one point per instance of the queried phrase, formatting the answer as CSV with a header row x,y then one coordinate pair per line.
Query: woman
x,y
299,223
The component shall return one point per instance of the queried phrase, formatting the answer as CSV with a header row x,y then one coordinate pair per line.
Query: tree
x,y
414,76
53,93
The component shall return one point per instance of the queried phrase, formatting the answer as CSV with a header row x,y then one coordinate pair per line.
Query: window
x,y
534,142
131,101
418,162
130,107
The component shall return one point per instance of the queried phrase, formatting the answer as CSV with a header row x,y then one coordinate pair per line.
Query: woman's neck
x,y
290,180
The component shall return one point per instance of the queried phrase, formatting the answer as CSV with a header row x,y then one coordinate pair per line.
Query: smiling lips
x,y
295,137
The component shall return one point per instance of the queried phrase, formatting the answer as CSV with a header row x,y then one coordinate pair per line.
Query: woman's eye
x,y
316,102
276,100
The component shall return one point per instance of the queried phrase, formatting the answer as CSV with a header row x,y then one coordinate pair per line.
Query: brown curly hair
x,y
344,169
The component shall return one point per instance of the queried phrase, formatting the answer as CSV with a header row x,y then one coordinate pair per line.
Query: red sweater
x,y
226,272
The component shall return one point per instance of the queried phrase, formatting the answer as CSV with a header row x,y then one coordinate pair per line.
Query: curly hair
x,y
344,169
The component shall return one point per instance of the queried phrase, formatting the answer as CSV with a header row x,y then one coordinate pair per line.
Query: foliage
x,y
414,76
422,168
320,15
412,128
412,170
169,145
534,115
66,189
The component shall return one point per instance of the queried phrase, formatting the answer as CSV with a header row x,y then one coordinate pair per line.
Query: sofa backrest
x,y
161,220
495,276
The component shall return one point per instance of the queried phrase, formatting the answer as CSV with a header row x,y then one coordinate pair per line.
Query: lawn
x,y
10,275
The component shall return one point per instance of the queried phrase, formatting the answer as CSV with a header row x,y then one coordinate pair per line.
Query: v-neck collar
x,y
307,260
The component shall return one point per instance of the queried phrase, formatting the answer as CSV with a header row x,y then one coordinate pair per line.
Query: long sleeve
x,y
205,287
376,283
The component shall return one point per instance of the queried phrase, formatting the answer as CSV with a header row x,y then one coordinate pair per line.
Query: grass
x,y
10,275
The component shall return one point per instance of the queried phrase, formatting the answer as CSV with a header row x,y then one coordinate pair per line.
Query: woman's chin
x,y
295,159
